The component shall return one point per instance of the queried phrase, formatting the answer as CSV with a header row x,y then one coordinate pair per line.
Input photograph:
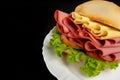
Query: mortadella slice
x,y
108,50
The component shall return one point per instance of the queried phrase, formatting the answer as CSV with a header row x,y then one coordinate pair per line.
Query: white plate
x,y
66,71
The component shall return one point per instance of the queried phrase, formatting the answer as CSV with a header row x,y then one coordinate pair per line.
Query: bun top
x,y
105,12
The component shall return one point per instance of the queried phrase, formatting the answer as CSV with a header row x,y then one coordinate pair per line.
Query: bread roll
x,y
105,12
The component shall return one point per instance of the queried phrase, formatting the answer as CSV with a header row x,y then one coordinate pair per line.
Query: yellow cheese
x,y
100,30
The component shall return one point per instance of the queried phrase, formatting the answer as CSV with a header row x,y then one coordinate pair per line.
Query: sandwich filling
x,y
82,39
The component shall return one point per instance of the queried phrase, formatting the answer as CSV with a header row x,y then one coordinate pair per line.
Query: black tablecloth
x,y
33,20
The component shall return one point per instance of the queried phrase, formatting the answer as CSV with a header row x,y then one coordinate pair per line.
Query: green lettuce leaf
x,y
91,67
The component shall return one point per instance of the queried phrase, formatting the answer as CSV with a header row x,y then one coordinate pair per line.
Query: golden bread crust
x,y
101,11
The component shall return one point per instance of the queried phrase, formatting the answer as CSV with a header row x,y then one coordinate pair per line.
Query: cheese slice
x,y
100,30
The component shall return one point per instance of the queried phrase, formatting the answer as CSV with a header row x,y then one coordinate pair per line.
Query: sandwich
x,y
90,35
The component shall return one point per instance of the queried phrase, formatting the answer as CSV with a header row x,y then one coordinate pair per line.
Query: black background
x,y
32,21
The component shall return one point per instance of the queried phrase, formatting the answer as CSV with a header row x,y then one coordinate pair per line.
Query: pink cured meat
x,y
108,49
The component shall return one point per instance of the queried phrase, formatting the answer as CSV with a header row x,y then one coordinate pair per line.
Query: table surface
x,y
33,20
